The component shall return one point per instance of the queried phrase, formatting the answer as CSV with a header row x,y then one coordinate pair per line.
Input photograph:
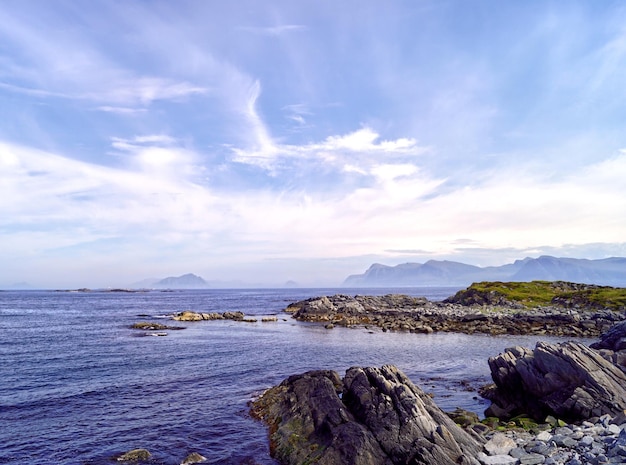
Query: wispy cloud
x,y
363,145
121,110
274,30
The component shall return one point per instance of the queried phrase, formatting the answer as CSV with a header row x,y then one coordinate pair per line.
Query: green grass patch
x,y
529,294
544,293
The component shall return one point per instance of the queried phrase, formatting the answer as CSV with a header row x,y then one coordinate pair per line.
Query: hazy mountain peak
x,y
609,271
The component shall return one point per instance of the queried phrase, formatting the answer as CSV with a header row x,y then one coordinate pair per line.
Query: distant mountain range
x,y
607,271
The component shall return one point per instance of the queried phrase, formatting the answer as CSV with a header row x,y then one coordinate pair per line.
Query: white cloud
x,y
362,145
365,140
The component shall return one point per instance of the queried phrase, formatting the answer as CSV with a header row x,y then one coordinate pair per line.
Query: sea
x,y
79,386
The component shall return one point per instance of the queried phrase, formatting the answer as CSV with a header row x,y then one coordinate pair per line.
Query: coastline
x,y
570,380
396,312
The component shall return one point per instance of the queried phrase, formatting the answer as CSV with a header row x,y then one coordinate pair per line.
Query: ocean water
x,y
78,386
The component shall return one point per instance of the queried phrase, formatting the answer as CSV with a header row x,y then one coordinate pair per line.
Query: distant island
x,y
186,281
607,272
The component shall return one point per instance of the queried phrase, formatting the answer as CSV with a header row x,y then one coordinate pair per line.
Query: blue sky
x,y
281,140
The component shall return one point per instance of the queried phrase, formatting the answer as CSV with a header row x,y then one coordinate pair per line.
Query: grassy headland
x,y
543,293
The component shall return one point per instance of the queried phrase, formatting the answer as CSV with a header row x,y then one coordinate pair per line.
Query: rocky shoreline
x,y
377,416
556,404
395,312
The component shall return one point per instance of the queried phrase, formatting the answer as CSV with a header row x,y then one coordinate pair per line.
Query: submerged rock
x,y
192,458
135,455
374,416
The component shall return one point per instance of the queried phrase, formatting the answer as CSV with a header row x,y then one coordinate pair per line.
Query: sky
x,y
260,142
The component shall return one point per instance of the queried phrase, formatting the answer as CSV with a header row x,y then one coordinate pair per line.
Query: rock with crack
x,y
374,416
568,380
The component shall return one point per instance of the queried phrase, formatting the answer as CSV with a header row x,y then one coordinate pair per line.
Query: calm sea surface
x,y
78,386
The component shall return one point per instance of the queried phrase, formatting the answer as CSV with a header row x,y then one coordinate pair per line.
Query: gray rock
x,y
544,436
497,459
380,418
517,452
567,380
543,449
613,429
532,459
613,339
564,441
586,441
499,444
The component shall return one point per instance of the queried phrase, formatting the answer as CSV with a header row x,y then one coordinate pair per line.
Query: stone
x,y
497,459
517,452
532,459
212,316
564,441
135,455
463,417
544,436
586,441
236,316
374,416
499,444
188,315
619,419
613,429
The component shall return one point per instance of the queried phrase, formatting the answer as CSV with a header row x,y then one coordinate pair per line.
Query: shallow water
x,y
79,387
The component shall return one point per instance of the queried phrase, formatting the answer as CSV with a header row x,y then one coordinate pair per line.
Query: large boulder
x,y
375,416
568,380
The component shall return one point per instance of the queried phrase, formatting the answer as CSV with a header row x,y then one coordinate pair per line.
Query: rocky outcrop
x,y
567,380
417,314
151,326
188,315
374,416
